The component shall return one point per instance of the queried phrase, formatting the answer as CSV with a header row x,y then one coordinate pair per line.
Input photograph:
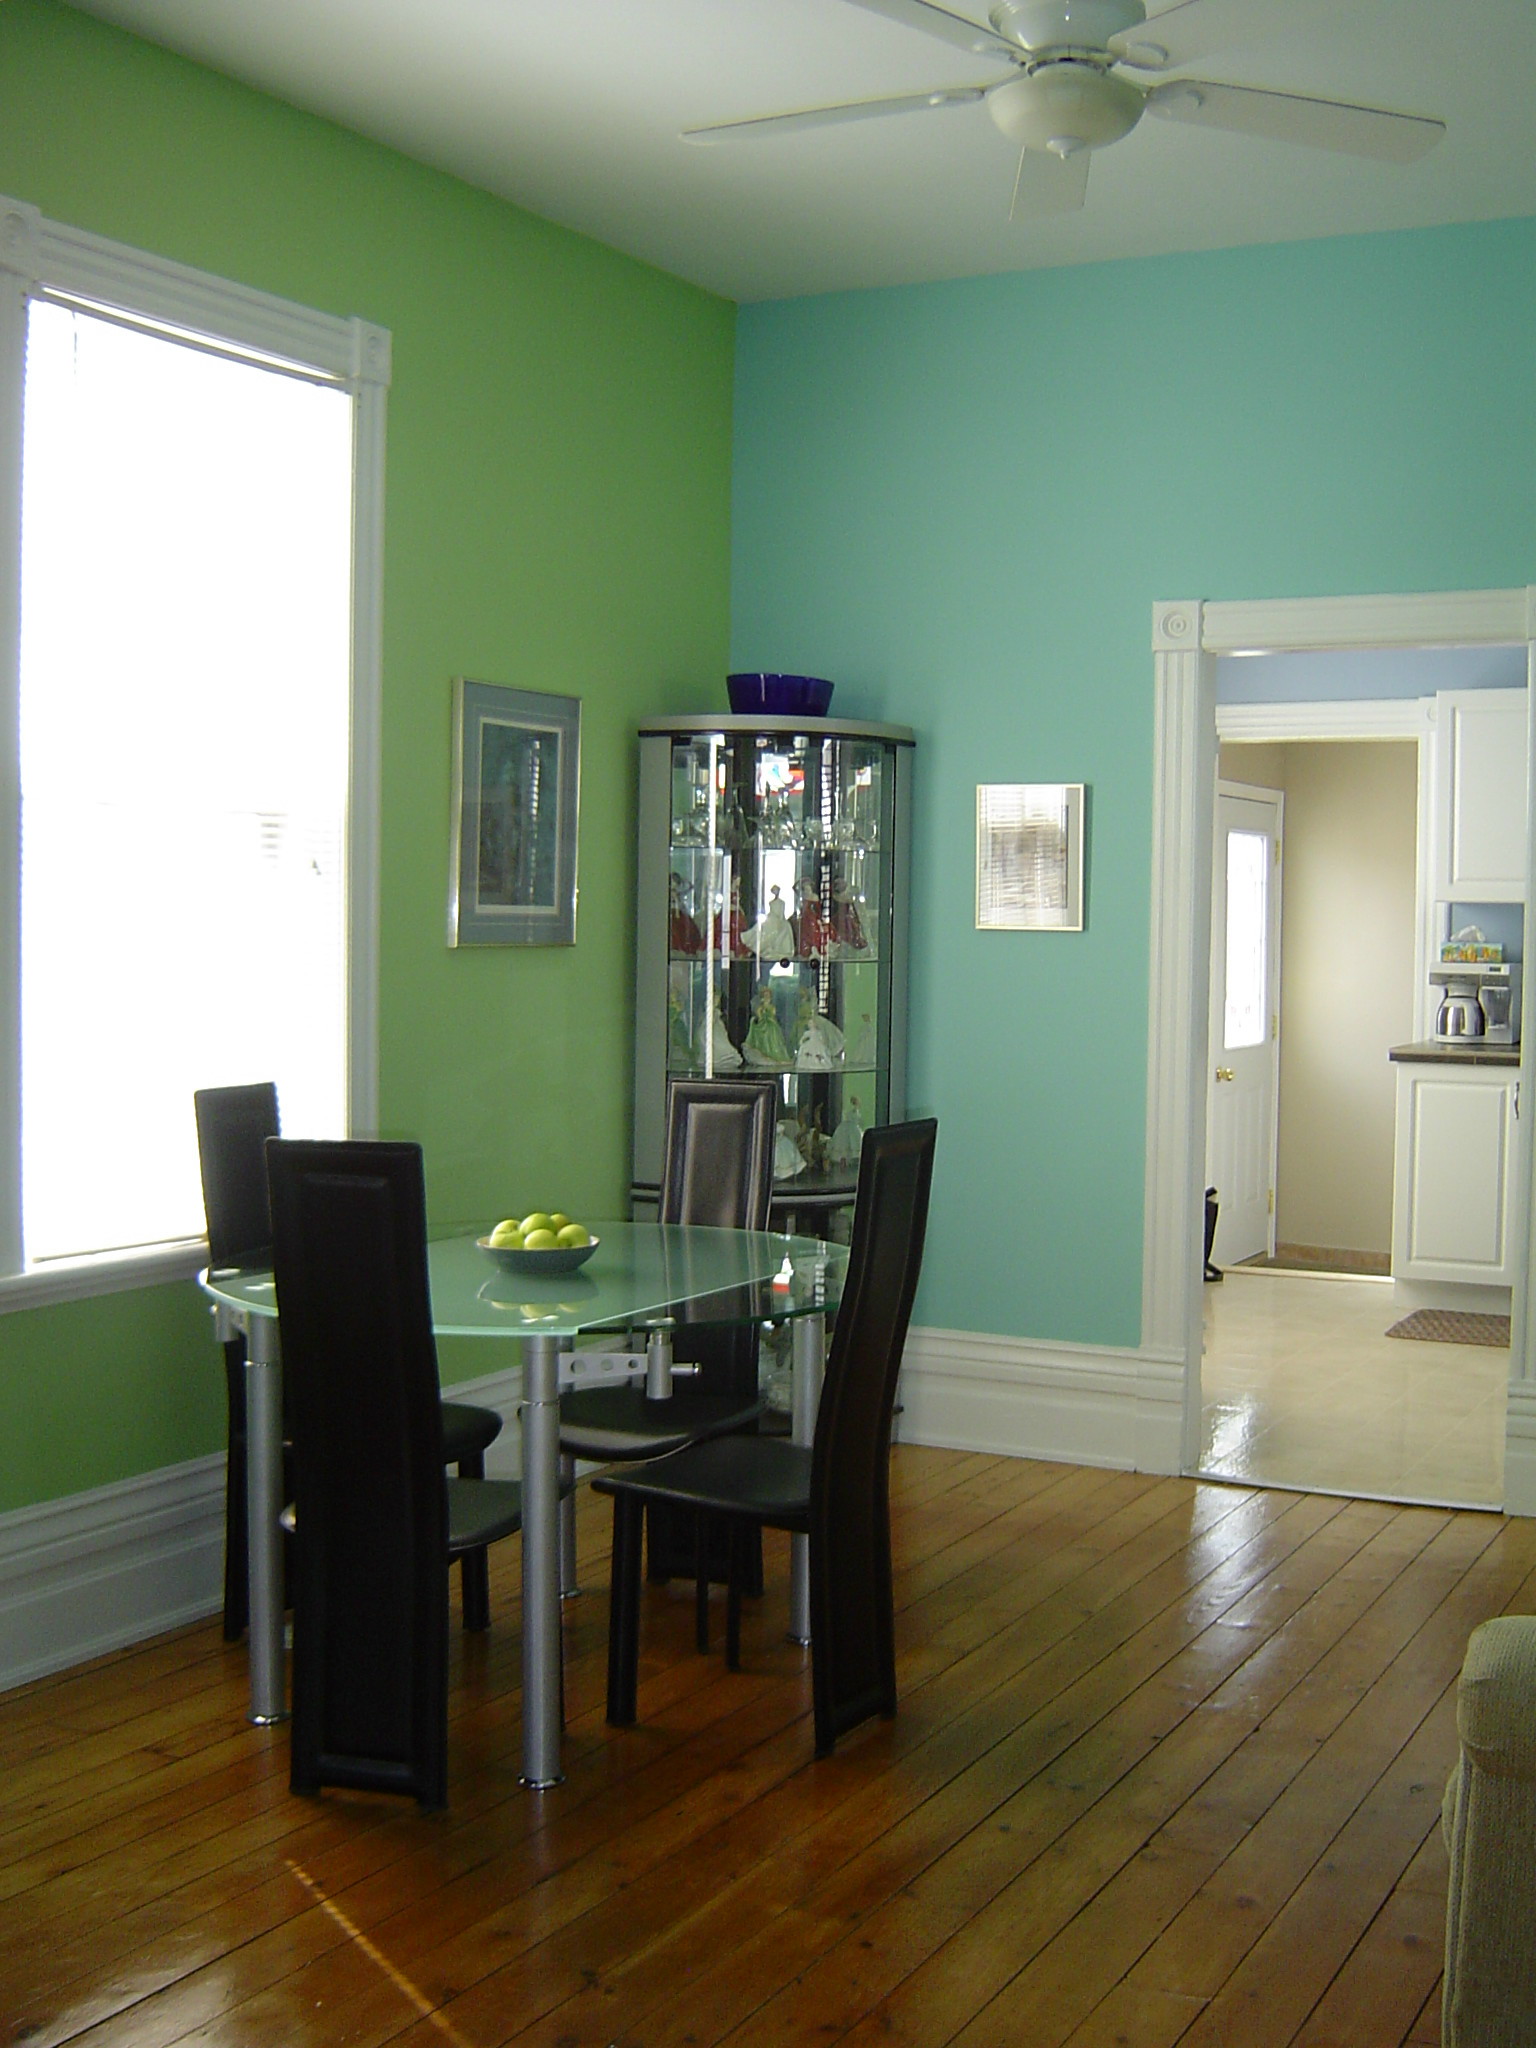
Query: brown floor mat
x,y
1452,1326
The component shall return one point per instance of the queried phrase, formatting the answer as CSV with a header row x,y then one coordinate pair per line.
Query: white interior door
x,y
1245,1020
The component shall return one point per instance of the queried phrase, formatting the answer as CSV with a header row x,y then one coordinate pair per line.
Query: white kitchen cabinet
x,y
1479,796
1453,1183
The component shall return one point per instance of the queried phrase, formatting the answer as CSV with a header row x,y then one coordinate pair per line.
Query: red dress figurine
x,y
729,943
816,933
685,934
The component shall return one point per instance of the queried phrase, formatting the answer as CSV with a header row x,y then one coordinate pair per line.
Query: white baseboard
x,y
97,1570
1520,1450
1074,1403
1408,1295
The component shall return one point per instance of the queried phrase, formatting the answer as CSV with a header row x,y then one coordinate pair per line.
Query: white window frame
x,y
41,255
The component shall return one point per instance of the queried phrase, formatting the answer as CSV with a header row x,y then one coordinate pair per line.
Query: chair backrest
x,y
851,1599
370,1580
233,1126
718,1168
718,1171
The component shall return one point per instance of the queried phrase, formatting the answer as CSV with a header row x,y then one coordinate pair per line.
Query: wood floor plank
x,y
1166,1771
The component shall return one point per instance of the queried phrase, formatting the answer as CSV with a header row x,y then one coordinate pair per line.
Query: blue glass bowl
x,y
779,696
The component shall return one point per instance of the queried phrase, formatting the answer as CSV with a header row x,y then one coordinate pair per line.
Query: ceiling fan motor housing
x,y
1065,105
1065,24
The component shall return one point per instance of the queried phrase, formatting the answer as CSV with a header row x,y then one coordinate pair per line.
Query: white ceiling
x,y
574,111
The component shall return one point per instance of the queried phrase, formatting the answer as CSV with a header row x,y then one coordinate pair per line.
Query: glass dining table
x,y
644,1278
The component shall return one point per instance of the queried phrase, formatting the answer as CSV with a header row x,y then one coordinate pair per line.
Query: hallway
x,y
1302,1387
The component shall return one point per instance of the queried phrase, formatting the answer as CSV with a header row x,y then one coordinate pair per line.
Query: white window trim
x,y
36,254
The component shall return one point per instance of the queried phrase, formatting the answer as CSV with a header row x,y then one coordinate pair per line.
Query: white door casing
x,y
1244,1020
1186,638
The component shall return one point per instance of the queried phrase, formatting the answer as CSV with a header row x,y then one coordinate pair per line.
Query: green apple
x,y
539,1241
558,1220
573,1234
508,1232
536,1219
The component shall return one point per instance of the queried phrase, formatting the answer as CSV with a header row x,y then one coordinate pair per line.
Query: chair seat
x,y
762,1479
468,1431
603,1423
481,1511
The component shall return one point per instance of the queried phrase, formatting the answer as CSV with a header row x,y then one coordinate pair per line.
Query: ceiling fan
x,y
1066,92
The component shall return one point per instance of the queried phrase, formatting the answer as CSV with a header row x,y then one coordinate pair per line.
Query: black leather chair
x,y
836,1492
375,1519
718,1170
233,1126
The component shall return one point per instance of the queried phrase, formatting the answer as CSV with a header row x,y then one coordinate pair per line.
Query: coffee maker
x,y
1478,1000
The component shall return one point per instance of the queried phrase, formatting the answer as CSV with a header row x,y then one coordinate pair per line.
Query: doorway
x,y
1187,638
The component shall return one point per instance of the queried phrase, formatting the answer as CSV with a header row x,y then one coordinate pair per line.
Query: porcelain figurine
x,y
816,934
819,1043
773,936
848,1138
686,938
847,925
813,1141
787,1159
680,1050
723,1055
862,1052
729,942
765,1044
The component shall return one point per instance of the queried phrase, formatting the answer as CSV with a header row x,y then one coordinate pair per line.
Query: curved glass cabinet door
x,y
772,936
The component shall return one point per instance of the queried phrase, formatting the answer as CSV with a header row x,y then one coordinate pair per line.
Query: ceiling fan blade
x,y
828,117
1179,35
1288,117
1048,184
938,21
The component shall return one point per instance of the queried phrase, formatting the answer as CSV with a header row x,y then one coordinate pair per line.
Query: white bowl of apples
x,y
543,1241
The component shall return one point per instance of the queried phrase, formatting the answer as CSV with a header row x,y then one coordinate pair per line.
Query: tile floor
x,y
1301,1387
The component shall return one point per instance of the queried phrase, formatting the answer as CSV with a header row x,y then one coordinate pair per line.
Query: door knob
x,y
1225,1074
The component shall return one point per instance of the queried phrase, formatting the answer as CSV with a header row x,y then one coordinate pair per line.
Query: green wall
x,y
557,517
960,501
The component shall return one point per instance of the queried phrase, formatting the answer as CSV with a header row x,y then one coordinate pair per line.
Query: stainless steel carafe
x,y
1461,1014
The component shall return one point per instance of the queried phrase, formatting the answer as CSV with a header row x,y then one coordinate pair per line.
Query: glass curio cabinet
x,y
772,938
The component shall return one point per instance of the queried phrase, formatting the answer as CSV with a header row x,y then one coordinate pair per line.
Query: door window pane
x,y
1247,1005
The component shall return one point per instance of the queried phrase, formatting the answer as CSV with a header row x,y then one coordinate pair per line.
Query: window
x,y
194,697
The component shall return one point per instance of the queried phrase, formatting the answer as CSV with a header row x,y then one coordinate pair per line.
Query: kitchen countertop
x,y
1464,1052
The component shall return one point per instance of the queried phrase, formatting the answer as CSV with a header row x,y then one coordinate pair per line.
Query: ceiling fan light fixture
x,y
1064,107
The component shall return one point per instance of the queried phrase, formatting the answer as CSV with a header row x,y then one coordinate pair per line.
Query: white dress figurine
x,y
723,1055
787,1161
821,1043
773,936
848,1138
862,1052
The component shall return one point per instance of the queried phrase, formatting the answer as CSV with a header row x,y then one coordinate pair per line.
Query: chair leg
x,y
741,1559
569,1586
624,1612
475,1565
236,1587
701,1583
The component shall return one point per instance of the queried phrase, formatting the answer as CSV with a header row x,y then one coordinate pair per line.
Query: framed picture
x,y
516,781
1029,856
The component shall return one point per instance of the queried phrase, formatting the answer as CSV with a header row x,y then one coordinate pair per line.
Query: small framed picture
x,y
516,782
1029,856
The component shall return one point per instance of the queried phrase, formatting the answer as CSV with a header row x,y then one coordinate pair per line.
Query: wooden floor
x,y
1167,1769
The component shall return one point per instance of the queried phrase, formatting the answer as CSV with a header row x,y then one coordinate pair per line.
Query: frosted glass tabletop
x,y
639,1270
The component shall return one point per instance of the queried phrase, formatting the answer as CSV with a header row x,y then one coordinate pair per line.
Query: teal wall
x,y
960,501
557,517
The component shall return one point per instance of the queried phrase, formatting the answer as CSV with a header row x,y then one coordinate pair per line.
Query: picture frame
x,y
516,788
1029,856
